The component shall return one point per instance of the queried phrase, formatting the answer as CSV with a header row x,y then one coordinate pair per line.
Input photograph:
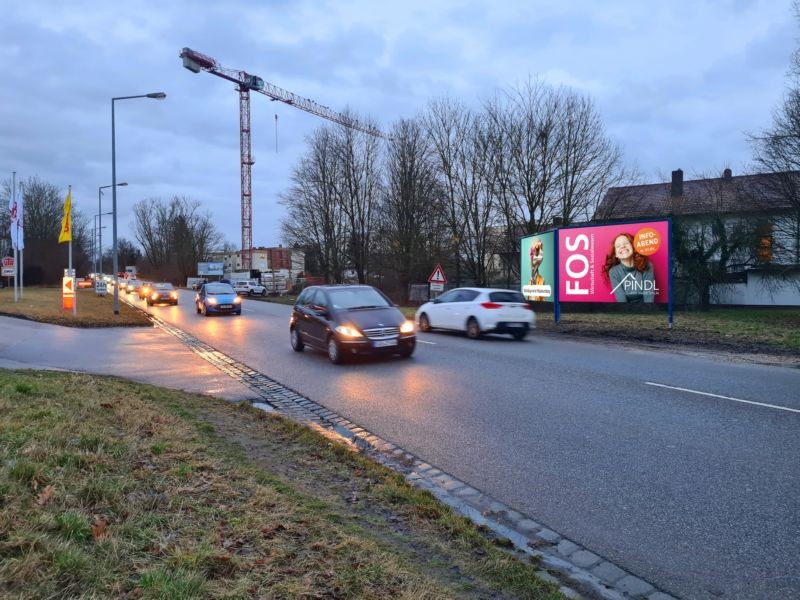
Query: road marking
x,y
424,342
680,389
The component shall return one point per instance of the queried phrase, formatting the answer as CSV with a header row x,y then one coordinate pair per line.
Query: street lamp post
x,y
98,226
100,214
157,96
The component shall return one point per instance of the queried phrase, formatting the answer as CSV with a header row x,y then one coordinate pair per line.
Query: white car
x,y
477,311
249,288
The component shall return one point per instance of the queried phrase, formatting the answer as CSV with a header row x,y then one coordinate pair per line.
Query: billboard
x,y
210,268
625,262
537,268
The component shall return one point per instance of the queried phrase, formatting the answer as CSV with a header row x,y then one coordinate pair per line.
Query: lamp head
x,y
157,95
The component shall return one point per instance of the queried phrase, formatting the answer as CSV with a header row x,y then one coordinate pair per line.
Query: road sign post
x,y
8,267
437,280
68,293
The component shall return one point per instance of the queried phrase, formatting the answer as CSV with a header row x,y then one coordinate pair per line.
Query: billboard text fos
x,y
626,262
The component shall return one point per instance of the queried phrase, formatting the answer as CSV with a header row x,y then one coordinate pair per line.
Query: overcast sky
x,y
678,83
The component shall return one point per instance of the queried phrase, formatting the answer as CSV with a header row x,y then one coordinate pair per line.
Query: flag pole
x,y
13,233
71,274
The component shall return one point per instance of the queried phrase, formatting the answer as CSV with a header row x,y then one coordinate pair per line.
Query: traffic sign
x,y
68,293
8,267
437,287
437,276
8,261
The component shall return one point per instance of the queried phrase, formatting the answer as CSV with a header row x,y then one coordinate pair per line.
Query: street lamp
x,y
100,214
98,227
156,96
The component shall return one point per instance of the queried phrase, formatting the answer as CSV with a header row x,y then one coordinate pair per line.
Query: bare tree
x,y
175,236
446,123
411,213
357,190
315,220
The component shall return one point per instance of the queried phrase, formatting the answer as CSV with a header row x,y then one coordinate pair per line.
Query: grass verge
x,y
110,488
44,305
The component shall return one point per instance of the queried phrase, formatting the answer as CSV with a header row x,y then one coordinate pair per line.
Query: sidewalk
x,y
143,354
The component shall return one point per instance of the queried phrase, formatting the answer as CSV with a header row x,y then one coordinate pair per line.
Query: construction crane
x,y
196,62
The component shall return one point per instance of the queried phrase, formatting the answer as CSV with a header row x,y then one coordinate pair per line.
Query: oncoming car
x,y
162,293
346,320
145,289
477,311
218,299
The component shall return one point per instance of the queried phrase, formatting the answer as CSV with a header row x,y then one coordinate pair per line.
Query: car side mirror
x,y
437,301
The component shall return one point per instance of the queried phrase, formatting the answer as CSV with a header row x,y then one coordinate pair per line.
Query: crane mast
x,y
245,83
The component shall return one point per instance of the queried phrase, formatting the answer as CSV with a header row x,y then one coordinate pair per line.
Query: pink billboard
x,y
626,262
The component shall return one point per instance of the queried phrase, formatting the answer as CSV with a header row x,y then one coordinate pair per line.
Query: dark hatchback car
x,y
348,320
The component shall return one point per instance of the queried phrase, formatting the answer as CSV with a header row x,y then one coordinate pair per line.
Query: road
x,y
698,494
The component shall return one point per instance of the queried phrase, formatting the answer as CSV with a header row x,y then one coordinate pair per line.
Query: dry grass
x,y
44,305
114,489
739,329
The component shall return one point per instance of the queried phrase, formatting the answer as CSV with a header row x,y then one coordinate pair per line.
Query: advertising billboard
x,y
210,268
625,262
537,268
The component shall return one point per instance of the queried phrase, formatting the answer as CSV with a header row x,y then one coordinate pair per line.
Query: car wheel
x,y
197,306
250,292
406,353
296,340
238,313
334,352
518,335
424,323
473,329
149,303
264,292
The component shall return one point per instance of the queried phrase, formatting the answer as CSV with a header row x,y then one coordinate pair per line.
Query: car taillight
x,y
491,305
528,306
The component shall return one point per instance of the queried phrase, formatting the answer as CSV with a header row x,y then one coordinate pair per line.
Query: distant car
x,y
162,293
85,283
477,311
218,299
133,286
198,284
346,320
145,289
249,288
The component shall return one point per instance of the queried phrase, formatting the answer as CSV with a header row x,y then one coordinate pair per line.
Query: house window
x,y
764,242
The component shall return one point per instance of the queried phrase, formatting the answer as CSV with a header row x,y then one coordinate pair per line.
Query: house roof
x,y
721,195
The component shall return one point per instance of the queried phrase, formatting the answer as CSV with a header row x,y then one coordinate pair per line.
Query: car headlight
x,y
154,296
173,294
211,301
348,331
407,327
237,300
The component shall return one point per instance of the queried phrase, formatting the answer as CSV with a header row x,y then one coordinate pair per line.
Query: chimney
x,y
727,174
677,184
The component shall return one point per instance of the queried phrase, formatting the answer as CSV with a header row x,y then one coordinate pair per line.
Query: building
x,y
746,228
289,262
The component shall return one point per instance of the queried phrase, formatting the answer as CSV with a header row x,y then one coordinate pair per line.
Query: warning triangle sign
x,y
437,276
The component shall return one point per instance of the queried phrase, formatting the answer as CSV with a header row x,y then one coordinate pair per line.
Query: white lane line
x,y
680,389
424,342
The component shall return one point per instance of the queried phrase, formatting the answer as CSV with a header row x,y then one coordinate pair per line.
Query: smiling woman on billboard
x,y
629,273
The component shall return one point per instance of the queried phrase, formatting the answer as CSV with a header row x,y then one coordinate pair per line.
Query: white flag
x,y
21,222
15,207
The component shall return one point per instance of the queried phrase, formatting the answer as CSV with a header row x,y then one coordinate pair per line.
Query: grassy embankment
x,y
44,305
115,489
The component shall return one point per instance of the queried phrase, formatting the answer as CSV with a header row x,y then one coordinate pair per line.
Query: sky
x,y
678,84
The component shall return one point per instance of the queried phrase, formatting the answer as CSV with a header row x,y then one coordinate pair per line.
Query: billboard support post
x,y
669,307
556,304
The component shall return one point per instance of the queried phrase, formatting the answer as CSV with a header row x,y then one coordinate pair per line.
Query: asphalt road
x,y
698,494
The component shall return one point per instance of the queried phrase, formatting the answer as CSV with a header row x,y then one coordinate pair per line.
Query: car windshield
x,y
357,297
163,286
507,297
218,288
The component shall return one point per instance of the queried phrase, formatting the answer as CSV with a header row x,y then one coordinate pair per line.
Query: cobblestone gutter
x,y
579,572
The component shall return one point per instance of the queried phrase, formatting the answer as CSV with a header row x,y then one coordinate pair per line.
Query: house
x,y
746,228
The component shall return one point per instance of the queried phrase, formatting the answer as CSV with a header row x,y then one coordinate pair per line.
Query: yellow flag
x,y
66,221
